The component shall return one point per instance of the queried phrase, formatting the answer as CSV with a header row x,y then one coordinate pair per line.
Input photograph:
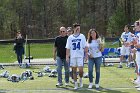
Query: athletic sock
x,y
120,63
139,78
80,79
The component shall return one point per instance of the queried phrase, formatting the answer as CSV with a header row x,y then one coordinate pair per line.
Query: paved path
x,y
50,61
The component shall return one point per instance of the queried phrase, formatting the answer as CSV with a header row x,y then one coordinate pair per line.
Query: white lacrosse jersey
x,y
138,36
126,36
138,41
138,50
76,44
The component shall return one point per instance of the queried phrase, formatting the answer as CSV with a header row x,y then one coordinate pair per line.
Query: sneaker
x,y
90,85
97,86
138,86
66,84
129,64
59,84
137,82
75,86
80,81
120,66
138,89
72,81
20,65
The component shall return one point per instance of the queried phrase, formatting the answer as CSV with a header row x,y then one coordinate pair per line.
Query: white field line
x,y
62,89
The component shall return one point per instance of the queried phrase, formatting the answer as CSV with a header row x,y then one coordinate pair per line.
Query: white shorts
x,y
125,50
138,58
77,62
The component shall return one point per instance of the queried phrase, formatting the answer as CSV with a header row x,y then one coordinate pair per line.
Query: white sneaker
x,y
137,82
66,84
59,84
138,86
97,86
72,81
80,81
75,86
128,65
90,85
138,89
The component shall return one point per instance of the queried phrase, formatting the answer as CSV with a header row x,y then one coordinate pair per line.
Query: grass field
x,y
113,80
7,55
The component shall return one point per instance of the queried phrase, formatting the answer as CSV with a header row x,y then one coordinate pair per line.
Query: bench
x,y
110,53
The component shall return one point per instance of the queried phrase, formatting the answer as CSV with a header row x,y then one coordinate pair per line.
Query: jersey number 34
x,y
76,46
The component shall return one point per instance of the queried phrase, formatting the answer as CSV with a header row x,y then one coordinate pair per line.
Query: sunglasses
x,y
62,31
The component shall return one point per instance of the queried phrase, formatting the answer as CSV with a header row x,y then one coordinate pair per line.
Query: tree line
x,y
41,19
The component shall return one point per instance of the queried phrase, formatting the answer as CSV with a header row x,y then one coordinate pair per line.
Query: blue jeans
x,y
19,52
97,62
60,62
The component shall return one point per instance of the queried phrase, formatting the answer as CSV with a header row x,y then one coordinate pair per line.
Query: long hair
x,y
89,35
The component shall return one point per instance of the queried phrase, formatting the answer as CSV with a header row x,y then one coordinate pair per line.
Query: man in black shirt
x,y
60,56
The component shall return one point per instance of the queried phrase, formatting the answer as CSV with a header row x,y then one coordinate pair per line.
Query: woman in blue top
x,y
95,56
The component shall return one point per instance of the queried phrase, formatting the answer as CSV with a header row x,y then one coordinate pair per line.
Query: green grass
x,y
113,80
7,55
42,50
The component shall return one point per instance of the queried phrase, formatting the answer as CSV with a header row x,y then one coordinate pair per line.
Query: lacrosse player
x,y
136,50
76,47
126,39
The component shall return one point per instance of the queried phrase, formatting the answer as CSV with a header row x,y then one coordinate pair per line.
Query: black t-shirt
x,y
60,43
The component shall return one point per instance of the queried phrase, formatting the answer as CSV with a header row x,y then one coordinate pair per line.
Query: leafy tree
x,y
117,21
42,18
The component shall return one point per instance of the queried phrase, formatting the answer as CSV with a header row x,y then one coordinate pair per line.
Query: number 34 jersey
x,y
76,44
